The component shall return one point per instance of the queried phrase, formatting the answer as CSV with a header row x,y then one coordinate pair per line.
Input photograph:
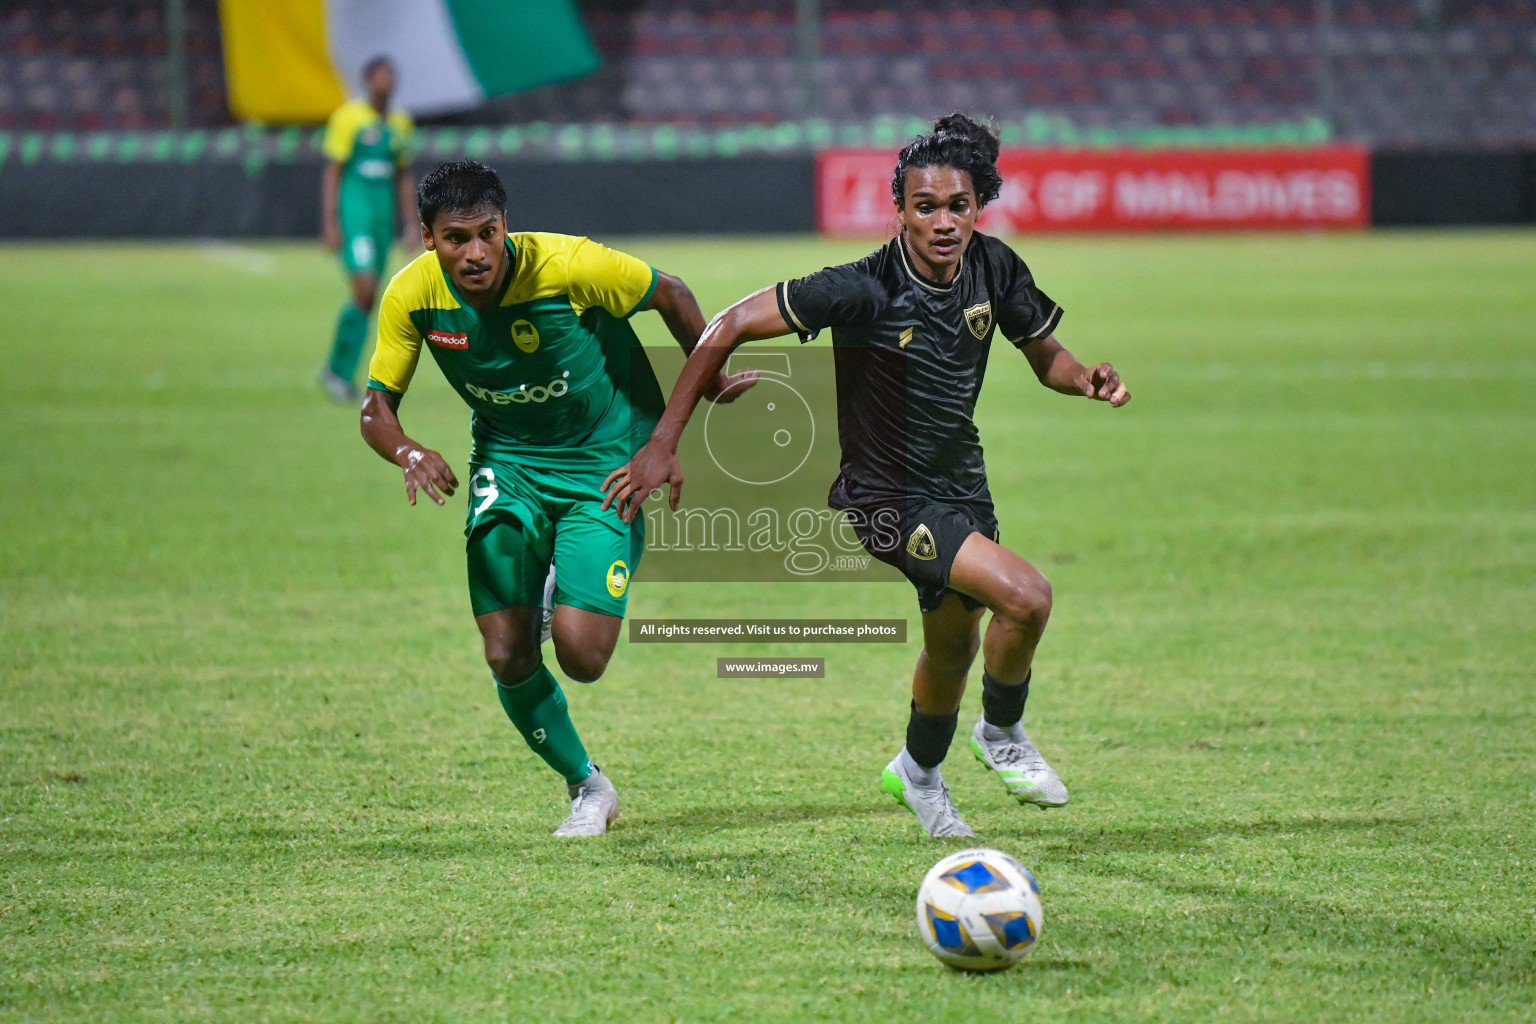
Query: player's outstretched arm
x,y
423,467
679,310
1061,371
753,318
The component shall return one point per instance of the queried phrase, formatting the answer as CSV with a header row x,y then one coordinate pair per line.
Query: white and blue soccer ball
x,y
979,910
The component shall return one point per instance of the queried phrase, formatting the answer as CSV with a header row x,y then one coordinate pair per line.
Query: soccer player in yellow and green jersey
x,y
367,179
532,331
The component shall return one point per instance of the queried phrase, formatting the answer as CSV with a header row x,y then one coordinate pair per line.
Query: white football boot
x,y
547,621
930,803
1018,764
343,392
594,805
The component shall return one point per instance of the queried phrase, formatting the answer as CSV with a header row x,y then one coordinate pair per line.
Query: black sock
x,y
928,736
1003,706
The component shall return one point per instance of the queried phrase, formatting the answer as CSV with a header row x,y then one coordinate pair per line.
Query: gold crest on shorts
x,y
979,319
618,578
921,546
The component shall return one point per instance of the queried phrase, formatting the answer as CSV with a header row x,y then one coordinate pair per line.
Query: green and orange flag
x,y
295,61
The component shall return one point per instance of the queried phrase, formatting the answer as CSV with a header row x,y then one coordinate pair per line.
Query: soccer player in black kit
x,y
912,324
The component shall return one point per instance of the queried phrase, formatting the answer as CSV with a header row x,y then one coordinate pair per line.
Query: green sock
x,y
537,707
351,335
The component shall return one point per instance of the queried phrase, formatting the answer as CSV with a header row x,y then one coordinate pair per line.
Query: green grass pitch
x,y
252,767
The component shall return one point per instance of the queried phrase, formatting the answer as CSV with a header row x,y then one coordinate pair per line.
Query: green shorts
x,y
367,230
365,252
520,519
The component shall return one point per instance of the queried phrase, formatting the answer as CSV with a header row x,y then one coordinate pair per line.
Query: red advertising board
x,y
1123,190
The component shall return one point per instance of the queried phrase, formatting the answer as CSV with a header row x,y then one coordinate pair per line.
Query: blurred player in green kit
x,y
367,179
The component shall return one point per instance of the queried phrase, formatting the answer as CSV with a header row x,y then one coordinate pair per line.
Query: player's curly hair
x,y
459,185
956,141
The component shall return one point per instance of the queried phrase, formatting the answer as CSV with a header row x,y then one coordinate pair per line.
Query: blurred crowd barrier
x,y
166,186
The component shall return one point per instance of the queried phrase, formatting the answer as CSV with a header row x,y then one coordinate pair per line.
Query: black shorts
x,y
920,538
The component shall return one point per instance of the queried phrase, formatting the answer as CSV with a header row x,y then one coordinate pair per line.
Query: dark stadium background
x,y
716,100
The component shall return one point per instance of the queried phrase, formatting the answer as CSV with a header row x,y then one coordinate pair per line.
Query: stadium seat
x,y
101,64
